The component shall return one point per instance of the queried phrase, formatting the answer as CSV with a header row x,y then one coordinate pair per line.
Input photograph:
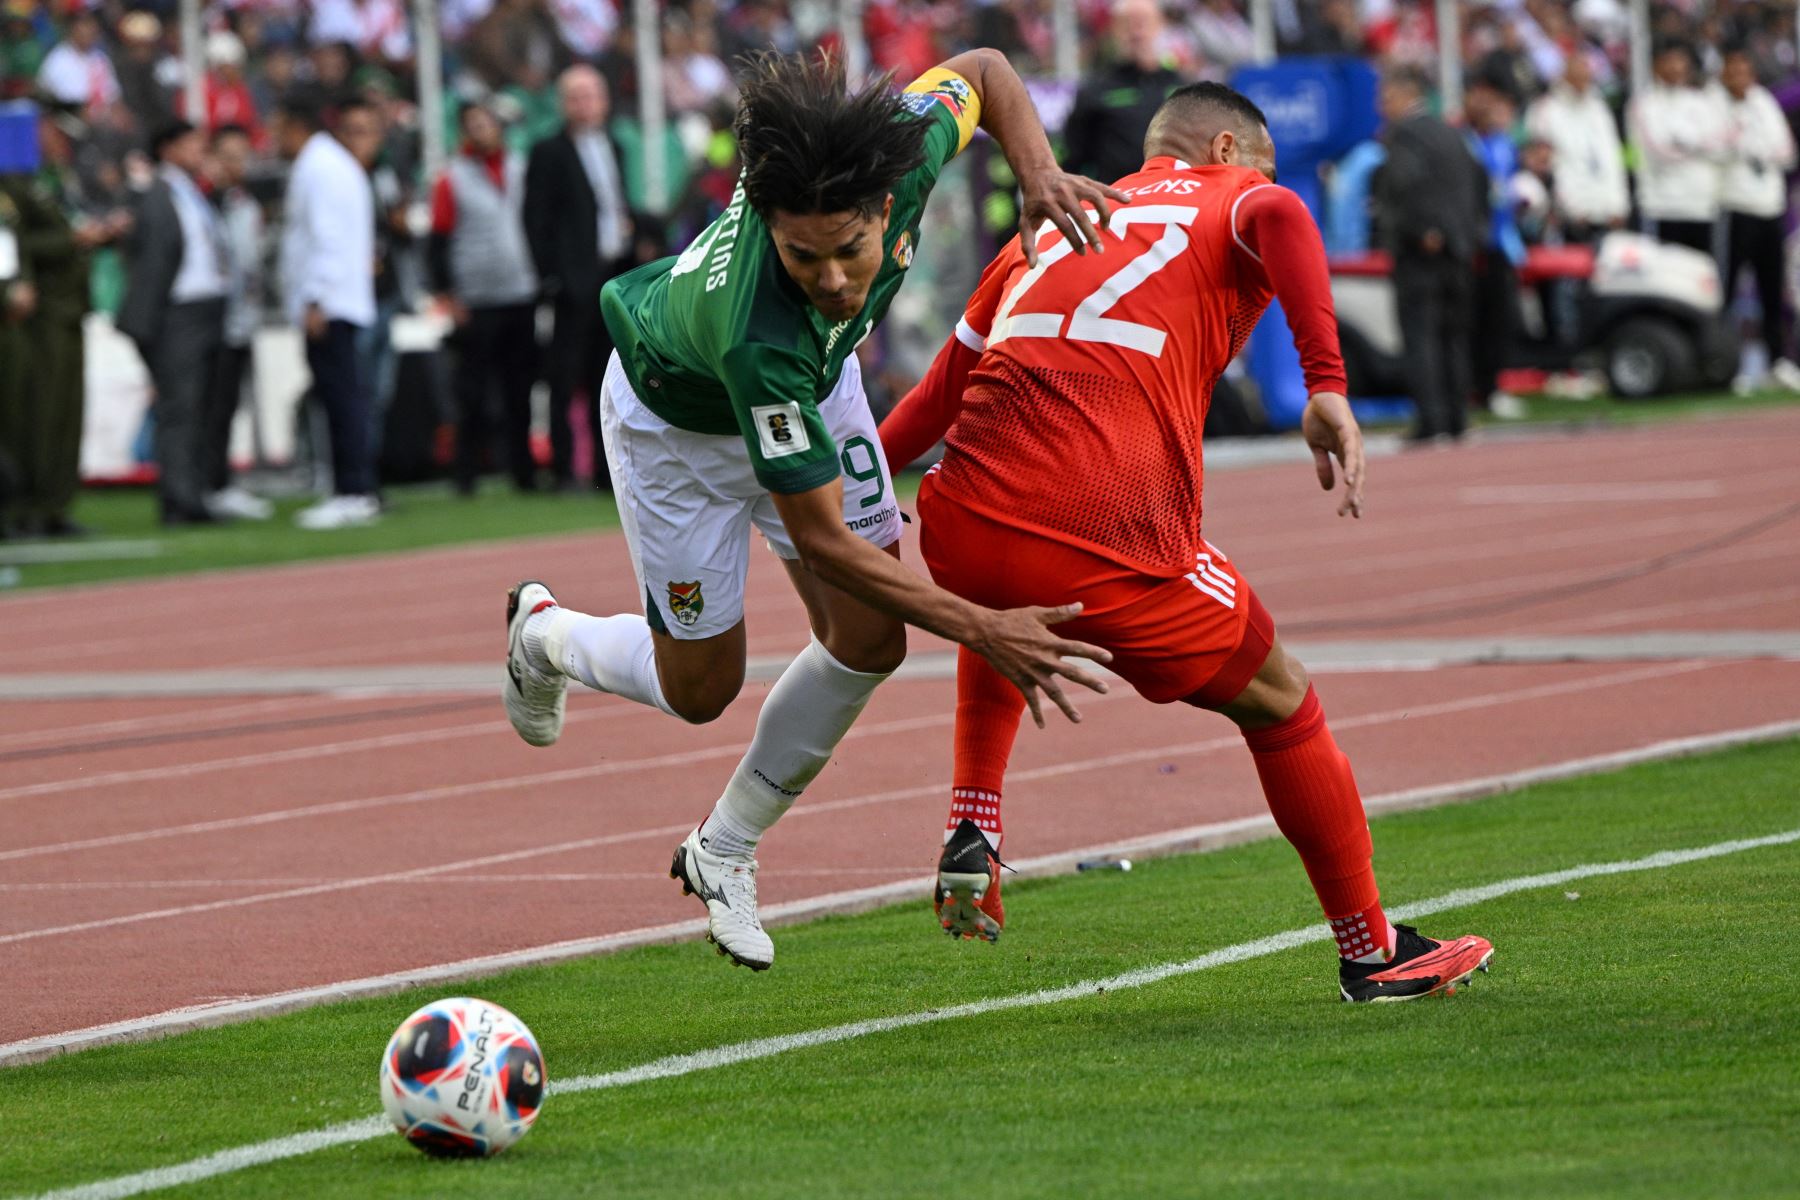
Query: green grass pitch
x,y
1639,1036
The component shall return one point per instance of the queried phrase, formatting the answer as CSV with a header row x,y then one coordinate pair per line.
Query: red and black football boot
x,y
1420,967
967,897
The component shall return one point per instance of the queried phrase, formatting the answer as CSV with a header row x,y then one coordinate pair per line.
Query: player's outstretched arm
x,y
1273,227
1049,193
1017,640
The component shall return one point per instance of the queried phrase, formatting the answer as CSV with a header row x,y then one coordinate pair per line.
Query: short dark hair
x,y
169,131
303,110
1198,103
221,132
348,105
811,145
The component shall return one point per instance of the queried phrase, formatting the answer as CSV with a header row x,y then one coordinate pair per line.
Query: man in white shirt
x,y
174,309
77,70
1754,195
1680,135
328,277
1574,119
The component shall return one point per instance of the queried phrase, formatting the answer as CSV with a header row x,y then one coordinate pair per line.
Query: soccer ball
x,y
462,1078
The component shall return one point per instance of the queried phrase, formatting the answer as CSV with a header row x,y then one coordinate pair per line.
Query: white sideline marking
x,y
463,866
369,1128
1198,837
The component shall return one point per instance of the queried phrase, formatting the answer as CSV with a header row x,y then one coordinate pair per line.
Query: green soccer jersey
x,y
721,341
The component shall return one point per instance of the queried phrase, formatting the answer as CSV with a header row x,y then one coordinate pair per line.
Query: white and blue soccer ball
x,y
462,1078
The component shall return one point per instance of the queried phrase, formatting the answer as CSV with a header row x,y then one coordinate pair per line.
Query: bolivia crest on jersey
x,y
685,602
903,251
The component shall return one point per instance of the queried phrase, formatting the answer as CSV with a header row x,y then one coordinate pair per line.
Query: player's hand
x,y
1330,429
1056,196
1020,645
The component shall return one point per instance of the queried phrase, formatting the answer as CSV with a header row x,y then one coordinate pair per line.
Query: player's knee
x,y
878,651
701,704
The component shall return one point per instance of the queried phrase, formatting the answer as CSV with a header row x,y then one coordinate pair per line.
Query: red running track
x,y
168,852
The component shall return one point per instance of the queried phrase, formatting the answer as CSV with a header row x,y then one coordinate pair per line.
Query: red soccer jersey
x,y
1082,419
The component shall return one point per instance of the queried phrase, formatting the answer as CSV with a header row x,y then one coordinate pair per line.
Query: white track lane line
x,y
199,717
572,774
1178,750
675,1065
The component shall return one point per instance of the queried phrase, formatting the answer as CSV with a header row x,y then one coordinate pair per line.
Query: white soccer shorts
x,y
688,502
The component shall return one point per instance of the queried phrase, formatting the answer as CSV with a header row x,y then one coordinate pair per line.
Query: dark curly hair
x,y
811,145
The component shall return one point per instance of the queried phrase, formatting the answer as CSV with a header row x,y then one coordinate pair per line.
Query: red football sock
x,y
1313,796
987,719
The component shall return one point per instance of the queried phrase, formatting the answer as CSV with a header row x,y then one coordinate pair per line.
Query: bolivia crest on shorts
x,y
685,602
903,251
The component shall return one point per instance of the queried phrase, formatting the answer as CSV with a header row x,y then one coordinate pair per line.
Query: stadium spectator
x,y
1679,132
1104,136
229,101
394,167
57,239
1754,196
580,235
21,51
1431,205
694,77
78,71
327,267
375,29
1490,110
174,311
517,43
145,72
481,270
241,224
1574,119
1222,34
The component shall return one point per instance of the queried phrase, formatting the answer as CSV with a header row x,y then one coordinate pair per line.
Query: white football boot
x,y
727,883
534,695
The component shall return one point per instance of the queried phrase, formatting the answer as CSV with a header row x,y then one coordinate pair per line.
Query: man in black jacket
x,y
579,229
174,309
1432,208
1104,135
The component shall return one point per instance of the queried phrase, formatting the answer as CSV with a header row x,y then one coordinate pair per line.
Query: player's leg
x,y
1312,794
689,547
818,697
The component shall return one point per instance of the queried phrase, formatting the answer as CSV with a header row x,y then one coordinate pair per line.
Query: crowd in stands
x,y
546,192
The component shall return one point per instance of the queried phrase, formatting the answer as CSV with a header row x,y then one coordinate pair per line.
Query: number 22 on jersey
x,y
1089,322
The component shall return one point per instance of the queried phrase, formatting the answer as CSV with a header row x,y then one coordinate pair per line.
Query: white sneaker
x,y
1786,374
727,883
1508,407
340,512
534,696
1745,383
235,502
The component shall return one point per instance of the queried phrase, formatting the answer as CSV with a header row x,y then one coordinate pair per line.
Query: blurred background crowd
x,y
405,213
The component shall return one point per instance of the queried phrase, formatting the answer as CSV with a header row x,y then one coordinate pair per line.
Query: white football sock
x,y
609,654
808,712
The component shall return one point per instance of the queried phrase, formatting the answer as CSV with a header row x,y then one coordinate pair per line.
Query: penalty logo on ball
x,y
462,1078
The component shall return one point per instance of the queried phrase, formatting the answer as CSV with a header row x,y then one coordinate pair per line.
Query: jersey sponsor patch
x,y
779,430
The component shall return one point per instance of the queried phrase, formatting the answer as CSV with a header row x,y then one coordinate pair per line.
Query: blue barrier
x,y
18,137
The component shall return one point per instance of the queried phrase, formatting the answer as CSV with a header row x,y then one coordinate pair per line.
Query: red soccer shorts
x,y
1200,637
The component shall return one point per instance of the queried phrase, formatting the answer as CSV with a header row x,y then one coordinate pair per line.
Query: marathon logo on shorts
x,y
779,430
685,602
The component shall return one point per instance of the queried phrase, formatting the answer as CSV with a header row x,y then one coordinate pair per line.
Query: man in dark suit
x,y
1104,136
577,223
1431,201
174,309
